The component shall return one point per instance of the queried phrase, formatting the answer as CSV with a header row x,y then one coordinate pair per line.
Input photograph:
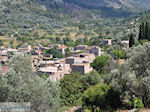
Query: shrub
x,y
133,77
103,64
55,53
100,97
117,54
71,90
136,103
19,84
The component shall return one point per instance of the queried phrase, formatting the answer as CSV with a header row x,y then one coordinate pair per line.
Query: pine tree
x,y
131,41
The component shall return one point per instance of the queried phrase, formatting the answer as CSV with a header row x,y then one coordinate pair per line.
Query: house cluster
x,y
78,61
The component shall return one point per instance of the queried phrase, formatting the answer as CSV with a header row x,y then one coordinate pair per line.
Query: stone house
x,y
25,49
125,43
62,49
97,51
81,47
107,42
82,68
80,63
53,72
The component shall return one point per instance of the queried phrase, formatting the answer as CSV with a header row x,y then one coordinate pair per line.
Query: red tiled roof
x,y
62,47
89,47
38,51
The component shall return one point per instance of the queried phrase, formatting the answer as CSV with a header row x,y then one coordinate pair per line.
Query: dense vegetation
x,y
57,23
126,86
20,84
110,86
127,83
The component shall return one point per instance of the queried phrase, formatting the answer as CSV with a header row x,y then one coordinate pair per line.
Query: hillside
x,y
145,16
132,5
34,20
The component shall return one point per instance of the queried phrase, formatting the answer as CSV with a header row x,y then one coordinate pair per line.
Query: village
x,y
78,61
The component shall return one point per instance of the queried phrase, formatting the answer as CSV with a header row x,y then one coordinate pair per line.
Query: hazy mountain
x,y
124,4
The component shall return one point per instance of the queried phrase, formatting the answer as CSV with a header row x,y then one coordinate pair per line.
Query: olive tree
x,y
19,84
133,78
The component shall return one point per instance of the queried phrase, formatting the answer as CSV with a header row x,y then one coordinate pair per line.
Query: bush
x,y
103,64
136,103
71,90
100,97
117,54
55,53
133,77
19,84
90,79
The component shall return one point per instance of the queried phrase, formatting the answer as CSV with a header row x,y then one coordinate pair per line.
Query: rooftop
x,y
48,69
62,47
80,64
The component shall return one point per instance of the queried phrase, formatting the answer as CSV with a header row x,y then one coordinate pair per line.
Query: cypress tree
x,y
146,31
143,31
140,33
131,41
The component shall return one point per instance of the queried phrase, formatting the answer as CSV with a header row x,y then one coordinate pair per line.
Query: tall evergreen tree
x,y
140,33
131,41
143,31
147,31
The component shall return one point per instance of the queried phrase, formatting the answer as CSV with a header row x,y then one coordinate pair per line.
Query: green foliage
x,y
91,79
51,58
19,84
147,31
71,90
106,47
1,43
43,37
74,85
81,26
11,53
67,51
100,64
137,103
44,75
100,97
144,31
133,77
117,54
55,53
131,40
11,42
68,42
21,63
141,42
57,39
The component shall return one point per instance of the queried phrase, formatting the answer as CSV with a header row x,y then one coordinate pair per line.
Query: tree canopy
x,y
55,53
19,84
133,77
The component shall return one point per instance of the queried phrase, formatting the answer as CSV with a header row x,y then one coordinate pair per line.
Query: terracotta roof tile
x,y
62,47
